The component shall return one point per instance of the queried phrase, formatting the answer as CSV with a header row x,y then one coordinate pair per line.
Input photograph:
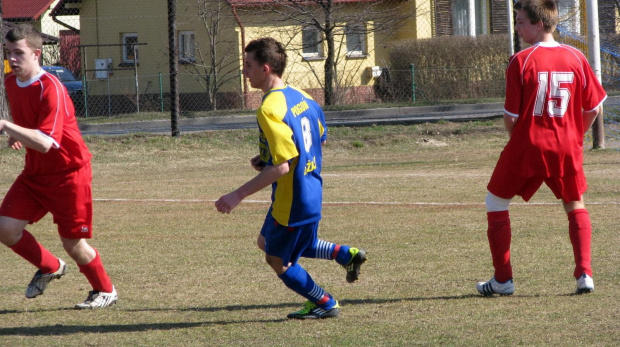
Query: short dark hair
x,y
545,11
28,32
269,51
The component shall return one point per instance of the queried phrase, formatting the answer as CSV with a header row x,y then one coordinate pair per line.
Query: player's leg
x,y
23,243
351,258
18,208
72,208
580,233
89,262
571,189
499,235
283,248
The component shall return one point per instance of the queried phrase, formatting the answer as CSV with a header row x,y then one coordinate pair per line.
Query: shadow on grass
x,y
343,302
56,330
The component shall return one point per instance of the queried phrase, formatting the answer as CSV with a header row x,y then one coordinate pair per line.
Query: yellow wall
x,y
309,74
103,22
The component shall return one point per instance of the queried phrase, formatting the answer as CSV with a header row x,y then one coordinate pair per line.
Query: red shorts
x,y
506,185
67,196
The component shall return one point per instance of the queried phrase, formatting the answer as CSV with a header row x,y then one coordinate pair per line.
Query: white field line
x,y
350,202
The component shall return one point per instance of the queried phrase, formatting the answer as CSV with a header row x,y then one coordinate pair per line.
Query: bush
x,y
448,67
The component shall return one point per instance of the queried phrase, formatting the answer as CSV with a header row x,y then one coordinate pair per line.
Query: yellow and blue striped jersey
x,y
292,128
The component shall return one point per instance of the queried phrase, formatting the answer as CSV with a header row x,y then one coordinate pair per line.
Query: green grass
x,y
411,195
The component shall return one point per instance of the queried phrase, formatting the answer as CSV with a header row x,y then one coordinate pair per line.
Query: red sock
x,y
96,275
580,232
28,248
499,235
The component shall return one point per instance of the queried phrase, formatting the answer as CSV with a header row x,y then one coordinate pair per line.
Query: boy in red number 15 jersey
x,y
552,99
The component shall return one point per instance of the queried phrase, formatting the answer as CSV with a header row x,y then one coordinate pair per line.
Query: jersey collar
x,y
30,81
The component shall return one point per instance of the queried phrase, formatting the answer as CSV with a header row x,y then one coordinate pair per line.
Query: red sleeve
x,y
53,108
514,87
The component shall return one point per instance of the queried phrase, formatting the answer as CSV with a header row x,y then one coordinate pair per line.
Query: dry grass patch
x,y
189,276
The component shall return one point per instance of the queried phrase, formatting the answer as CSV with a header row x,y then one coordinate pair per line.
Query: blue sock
x,y
298,280
328,250
343,257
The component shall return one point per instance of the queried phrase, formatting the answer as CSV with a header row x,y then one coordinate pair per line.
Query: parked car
x,y
74,86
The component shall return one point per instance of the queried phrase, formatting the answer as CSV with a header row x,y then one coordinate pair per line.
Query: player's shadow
x,y
342,302
60,330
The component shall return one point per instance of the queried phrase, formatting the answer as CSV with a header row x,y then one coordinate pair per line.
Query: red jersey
x,y
547,87
43,103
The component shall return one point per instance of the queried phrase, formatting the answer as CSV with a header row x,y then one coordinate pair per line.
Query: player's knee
x,y
260,243
494,203
11,231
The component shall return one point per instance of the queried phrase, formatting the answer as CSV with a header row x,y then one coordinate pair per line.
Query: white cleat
x,y
97,299
491,287
40,280
585,284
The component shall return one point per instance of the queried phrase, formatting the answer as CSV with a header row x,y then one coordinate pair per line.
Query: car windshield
x,y
62,74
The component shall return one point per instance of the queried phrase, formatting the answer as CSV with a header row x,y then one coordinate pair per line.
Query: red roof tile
x,y
25,9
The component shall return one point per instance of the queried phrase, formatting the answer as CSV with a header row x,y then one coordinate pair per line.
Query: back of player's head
x,y
268,51
28,32
545,11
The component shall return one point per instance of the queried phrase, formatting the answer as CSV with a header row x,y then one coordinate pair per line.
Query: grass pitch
x,y
411,195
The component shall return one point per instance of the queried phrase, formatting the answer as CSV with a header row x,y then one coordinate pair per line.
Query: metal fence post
x,y
411,67
85,95
161,93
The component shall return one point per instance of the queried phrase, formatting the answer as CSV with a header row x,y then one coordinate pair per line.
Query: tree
x,y
4,109
215,63
333,19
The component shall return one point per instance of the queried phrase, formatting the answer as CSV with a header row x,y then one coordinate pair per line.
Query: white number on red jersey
x,y
556,92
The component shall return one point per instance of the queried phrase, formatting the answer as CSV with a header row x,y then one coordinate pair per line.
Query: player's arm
x,y
30,138
509,122
268,175
589,117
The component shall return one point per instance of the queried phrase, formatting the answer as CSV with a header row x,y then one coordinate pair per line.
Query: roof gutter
x,y
65,24
59,9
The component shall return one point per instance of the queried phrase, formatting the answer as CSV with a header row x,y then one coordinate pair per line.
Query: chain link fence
x,y
380,53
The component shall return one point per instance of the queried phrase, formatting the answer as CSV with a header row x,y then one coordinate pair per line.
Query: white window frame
x,y
126,53
187,48
317,44
355,34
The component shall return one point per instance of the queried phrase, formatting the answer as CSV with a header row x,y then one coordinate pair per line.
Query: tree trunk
x,y
4,109
329,61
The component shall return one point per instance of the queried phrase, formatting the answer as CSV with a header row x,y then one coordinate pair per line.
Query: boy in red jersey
x,y
552,99
56,176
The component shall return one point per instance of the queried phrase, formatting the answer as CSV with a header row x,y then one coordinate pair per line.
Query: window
x,y
311,41
129,50
482,16
470,17
460,17
187,53
356,40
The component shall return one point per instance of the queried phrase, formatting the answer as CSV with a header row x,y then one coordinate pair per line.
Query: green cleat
x,y
311,311
353,267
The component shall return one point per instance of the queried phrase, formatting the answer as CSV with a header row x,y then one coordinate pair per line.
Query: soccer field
x,y
412,196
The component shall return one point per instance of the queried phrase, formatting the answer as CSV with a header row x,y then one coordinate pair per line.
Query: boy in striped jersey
x,y
292,131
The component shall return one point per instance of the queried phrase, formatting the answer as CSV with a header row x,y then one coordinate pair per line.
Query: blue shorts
x,y
288,243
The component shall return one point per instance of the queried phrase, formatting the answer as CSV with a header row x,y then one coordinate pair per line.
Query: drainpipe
x,y
65,24
242,28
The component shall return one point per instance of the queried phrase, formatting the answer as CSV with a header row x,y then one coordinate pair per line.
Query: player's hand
x,y
226,203
257,163
14,144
